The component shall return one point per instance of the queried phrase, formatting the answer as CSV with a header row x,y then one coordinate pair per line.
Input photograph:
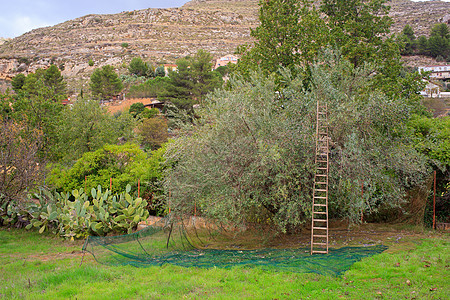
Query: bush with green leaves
x,y
149,89
87,126
138,67
117,164
136,109
160,72
154,132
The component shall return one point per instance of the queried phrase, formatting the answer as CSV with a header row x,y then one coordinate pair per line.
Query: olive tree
x,y
251,158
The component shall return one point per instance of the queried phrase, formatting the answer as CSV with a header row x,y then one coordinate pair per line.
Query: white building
x,y
225,60
437,72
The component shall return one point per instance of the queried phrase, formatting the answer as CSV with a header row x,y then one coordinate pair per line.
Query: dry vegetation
x,y
119,106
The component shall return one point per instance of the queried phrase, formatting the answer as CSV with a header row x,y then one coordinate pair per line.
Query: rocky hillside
x,y
163,35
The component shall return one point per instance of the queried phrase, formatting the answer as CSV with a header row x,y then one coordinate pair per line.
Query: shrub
x,y
154,132
136,109
150,89
123,164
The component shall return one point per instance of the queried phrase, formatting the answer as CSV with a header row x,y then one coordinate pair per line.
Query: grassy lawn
x,y
34,266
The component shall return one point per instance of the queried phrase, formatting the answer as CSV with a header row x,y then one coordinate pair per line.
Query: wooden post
x,y
434,201
362,194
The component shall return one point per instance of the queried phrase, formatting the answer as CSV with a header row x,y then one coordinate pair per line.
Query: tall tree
x,y
192,80
86,126
357,27
54,81
204,80
408,39
18,81
38,104
439,41
249,160
105,83
290,33
423,46
138,67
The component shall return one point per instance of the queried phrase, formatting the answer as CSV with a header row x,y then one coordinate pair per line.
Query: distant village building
x,y
170,67
437,72
225,60
431,90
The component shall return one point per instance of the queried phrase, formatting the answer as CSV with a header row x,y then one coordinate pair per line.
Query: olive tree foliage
x,y
371,145
251,157
246,161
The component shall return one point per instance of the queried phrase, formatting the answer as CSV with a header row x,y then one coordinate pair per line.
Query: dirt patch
x,y
396,237
122,105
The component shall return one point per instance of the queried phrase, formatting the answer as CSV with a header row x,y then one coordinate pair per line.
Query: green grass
x,y
34,266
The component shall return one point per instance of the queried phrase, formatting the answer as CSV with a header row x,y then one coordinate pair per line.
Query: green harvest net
x,y
167,242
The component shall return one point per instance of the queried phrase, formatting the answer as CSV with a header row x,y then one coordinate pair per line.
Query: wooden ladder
x,y
319,219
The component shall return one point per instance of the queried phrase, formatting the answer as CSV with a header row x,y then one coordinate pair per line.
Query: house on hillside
x,y
225,60
437,72
155,104
170,67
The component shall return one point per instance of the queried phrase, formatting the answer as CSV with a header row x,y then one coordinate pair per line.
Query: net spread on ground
x,y
168,242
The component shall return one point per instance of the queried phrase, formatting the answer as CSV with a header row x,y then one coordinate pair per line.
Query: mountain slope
x,y
163,35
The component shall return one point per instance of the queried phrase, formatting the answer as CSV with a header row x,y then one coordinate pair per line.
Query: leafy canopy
x,y
86,126
105,83
252,156
138,67
192,80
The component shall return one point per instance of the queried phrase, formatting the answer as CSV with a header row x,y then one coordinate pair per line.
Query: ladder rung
x,y
321,228
321,244
320,190
321,175
318,197
322,168
320,182
320,235
319,212
319,220
317,251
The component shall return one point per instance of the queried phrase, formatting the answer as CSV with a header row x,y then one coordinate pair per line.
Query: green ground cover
x,y
34,266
